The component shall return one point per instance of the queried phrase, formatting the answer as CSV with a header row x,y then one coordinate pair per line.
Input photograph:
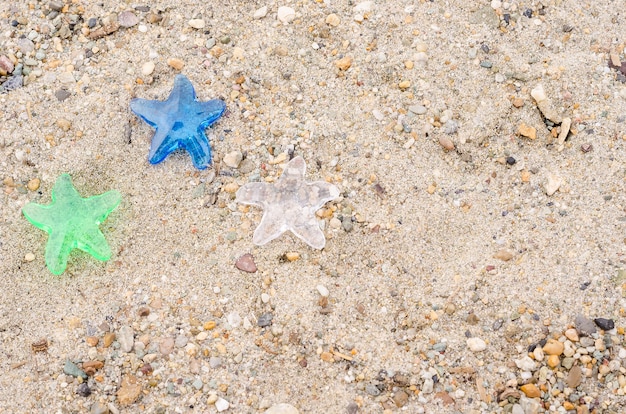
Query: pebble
x,y
215,362
565,127
62,94
175,63
526,364
33,185
127,19
83,390
323,290
147,68
233,159
446,143
129,391
181,341
531,390
166,346
604,324
552,184
98,408
125,337
378,114
553,347
246,263
584,326
72,369
571,334
574,377
400,398
286,14
6,65
29,257
108,339
260,13
372,390
265,320
527,131
417,109
282,409
504,255
428,386
196,23
476,344
333,20
221,404
344,63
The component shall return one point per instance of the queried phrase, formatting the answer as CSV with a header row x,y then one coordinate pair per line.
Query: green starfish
x,y
72,223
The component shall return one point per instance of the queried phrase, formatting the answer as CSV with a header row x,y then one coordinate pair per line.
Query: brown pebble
x,y
531,390
246,263
129,390
176,63
553,361
216,51
40,346
92,340
327,357
518,102
400,398
446,142
527,131
166,346
445,398
344,63
586,147
108,339
504,255
90,367
574,377
292,256
33,185
143,311
553,347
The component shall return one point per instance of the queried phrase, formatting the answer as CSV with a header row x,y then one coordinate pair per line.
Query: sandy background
x,y
409,261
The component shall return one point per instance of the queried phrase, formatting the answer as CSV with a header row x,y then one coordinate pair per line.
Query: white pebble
x,y
378,115
476,344
553,184
364,6
196,23
147,68
496,4
526,364
260,13
286,14
221,404
323,290
538,93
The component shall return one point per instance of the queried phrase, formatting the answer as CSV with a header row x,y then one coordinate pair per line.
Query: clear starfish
x,y
72,222
180,122
289,204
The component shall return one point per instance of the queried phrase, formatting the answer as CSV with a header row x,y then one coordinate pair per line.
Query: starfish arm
x,y
321,193
183,90
199,149
210,111
295,169
38,215
147,109
272,225
92,241
253,193
309,232
101,205
58,250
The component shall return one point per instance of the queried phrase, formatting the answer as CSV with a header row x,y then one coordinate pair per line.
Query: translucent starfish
x,y
180,122
72,222
289,204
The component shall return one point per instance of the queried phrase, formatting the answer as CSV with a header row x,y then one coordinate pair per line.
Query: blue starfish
x,y
180,122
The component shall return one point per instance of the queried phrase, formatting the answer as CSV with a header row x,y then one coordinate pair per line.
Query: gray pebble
x,y
265,320
92,22
83,390
56,5
372,390
197,384
72,369
427,388
352,408
440,347
451,127
215,362
127,19
486,64
417,109
584,326
347,225
181,341
126,338
99,408
14,82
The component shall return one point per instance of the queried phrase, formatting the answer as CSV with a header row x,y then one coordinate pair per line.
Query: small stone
x,y
565,127
286,14
260,13
372,390
72,369
574,377
265,320
215,362
166,346
83,390
33,185
446,143
553,184
92,340
282,409
527,131
504,255
404,85
29,257
572,335
181,341
175,63
231,188
62,94
196,23
344,63
531,390
476,344
56,5
553,361
538,93
586,147
417,109
246,263
129,390
518,102
553,347
126,338
292,256
427,387
510,161
108,339
147,68
127,19
526,364
584,326
333,20
604,324
233,159
6,64
98,408
64,124
323,290
327,357
567,363
400,398
221,404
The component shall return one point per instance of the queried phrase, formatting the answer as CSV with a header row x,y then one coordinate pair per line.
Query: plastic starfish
x,y
289,204
72,222
180,122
